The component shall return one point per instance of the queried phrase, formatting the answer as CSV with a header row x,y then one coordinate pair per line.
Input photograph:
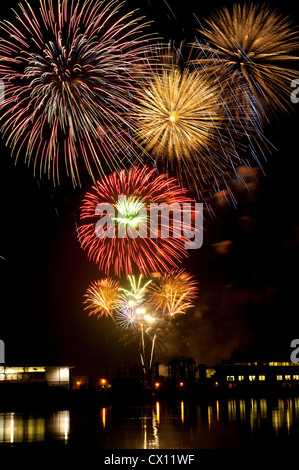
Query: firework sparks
x,y
128,314
68,72
246,50
131,311
173,293
181,121
145,309
137,290
102,297
122,250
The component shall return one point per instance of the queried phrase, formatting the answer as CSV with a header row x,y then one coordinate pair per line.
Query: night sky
x,y
248,296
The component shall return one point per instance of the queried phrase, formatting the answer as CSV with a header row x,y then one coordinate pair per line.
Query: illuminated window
x,y
272,363
279,377
2,376
230,378
36,369
252,378
287,377
295,377
210,373
240,377
262,377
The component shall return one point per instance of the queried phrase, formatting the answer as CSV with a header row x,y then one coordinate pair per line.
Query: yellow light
x,y
149,319
63,372
182,412
157,385
140,311
181,384
66,428
12,430
104,417
103,381
158,412
172,117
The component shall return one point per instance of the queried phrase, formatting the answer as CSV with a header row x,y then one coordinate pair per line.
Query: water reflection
x,y
181,424
103,413
182,412
150,428
29,427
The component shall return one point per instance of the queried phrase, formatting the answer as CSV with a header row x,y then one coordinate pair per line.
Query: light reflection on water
x,y
29,427
221,423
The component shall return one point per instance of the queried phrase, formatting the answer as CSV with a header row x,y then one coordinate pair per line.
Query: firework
x,y
246,50
68,71
130,241
145,309
128,314
102,297
137,291
173,293
131,311
181,121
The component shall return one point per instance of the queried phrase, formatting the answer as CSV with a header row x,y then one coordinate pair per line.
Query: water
x,y
218,424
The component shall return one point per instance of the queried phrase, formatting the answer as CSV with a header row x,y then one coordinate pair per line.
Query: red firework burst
x,y
131,238
68,72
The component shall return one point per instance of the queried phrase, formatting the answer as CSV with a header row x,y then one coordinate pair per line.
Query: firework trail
x,y
68,73
155,303
146,309
132,313
122,247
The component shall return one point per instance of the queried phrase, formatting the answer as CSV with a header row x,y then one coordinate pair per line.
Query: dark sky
x,y
248,298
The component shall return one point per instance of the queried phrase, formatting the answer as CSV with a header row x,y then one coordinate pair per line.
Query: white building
x,y
51,375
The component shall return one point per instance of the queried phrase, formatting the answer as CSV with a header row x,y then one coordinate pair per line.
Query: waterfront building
x,y
50,375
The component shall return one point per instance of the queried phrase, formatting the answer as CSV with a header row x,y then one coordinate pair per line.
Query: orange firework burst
x,y
246,51
173,293
117,231
102,297
181,121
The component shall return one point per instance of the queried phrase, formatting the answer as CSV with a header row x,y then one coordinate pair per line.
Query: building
x,y
244,369
50,375
181,370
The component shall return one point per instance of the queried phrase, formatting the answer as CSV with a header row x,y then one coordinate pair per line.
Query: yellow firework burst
x,y
173,293
246,50
102,297
178,119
